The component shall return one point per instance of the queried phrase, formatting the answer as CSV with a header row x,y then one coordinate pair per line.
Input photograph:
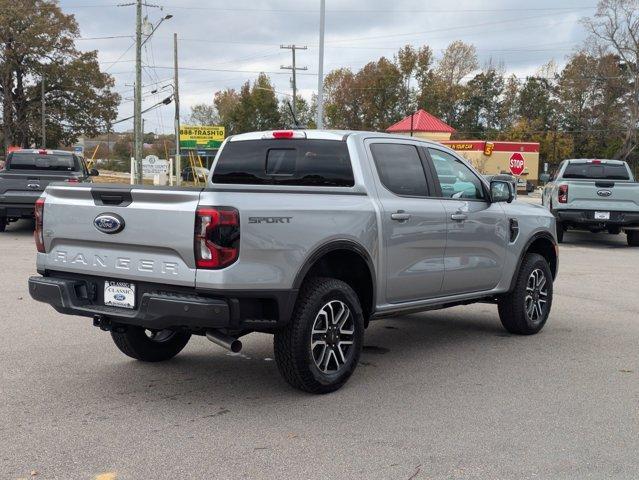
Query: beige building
x,y
490,158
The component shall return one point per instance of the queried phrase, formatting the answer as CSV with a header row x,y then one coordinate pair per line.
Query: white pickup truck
x,y
303,234
595,195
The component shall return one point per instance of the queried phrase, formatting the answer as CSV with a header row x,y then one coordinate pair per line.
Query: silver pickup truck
x,y
304,234
595,195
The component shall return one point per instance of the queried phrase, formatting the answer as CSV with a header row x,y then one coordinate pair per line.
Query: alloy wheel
x,y
536,298
332,336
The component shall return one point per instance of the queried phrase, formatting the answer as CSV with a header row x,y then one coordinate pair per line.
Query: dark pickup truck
x,y
28,172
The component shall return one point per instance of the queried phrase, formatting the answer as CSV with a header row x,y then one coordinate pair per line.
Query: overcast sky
x,y
222,43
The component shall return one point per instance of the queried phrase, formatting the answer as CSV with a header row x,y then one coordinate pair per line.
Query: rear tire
x,y
614,230
525,310
3,224
138,343
319,349
633,238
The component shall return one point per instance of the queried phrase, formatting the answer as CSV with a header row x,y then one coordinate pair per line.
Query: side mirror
x,y
501,191
94,172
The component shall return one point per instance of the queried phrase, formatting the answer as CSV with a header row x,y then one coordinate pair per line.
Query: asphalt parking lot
x,y
441,395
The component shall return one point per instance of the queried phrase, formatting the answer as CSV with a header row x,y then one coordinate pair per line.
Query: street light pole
x,y
44,121
137,121
320,70
176,98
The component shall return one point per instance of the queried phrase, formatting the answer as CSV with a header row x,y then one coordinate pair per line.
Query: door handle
x,y
400,216
459,217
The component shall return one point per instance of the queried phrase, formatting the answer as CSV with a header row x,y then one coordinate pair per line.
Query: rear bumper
x,y
161,306
586,218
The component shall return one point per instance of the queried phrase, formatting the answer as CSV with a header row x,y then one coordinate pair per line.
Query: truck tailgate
x,y
26,187
155,243
603,194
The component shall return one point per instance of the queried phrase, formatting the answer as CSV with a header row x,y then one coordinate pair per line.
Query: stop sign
x,y
517,163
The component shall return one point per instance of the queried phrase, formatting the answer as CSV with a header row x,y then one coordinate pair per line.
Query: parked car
x,y
201,173
307,235
27,173
594,195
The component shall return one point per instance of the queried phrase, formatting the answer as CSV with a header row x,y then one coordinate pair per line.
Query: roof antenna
x,y
296,124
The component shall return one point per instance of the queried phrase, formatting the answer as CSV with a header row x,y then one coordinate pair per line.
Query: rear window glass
x,y
400,168
596,171
37,161
285,162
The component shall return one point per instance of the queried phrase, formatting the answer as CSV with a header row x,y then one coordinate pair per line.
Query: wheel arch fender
x,y
349,249
544,244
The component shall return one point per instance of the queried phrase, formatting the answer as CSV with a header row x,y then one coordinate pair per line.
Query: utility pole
x,y
294,69
137,121
44,121
176,98
320,70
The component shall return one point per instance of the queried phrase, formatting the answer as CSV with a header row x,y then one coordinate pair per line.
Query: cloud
x,y
224,47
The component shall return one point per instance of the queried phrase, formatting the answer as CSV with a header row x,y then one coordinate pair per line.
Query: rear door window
x,y
38,161
304,162
596,171
400,168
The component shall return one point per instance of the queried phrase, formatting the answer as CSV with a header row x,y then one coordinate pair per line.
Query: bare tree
x,y
615,27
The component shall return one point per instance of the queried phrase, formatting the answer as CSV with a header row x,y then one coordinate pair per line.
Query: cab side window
x,y
400,168
456,179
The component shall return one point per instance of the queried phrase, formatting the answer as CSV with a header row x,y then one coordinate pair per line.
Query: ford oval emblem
x,y
119,297
604,193
109,223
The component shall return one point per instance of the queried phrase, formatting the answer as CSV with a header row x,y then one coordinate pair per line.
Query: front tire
x,y
525,310
150,346
319,349
633,238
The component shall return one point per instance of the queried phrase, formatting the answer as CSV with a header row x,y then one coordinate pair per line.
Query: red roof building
x,y
424,125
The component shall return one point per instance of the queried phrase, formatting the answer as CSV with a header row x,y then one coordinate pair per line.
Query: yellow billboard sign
x,y
201,136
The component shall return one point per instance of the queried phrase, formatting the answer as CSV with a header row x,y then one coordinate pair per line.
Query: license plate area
x,y
119,294
602,215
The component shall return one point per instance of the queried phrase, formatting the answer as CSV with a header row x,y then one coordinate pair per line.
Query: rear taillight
x,y
38,233
217,237
72,180
562,194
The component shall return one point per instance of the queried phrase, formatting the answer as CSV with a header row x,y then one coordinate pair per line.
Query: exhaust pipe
x,y
230,343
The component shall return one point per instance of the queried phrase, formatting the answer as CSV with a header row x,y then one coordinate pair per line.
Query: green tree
x,y
37,41
253,108
479,111
305,113
341,106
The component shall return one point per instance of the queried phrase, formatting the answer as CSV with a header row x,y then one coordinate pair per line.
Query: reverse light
x,y
217,237
38,233
562,194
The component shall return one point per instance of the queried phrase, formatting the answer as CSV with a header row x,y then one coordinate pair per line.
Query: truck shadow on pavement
x,y
201,375
21,228
601,240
